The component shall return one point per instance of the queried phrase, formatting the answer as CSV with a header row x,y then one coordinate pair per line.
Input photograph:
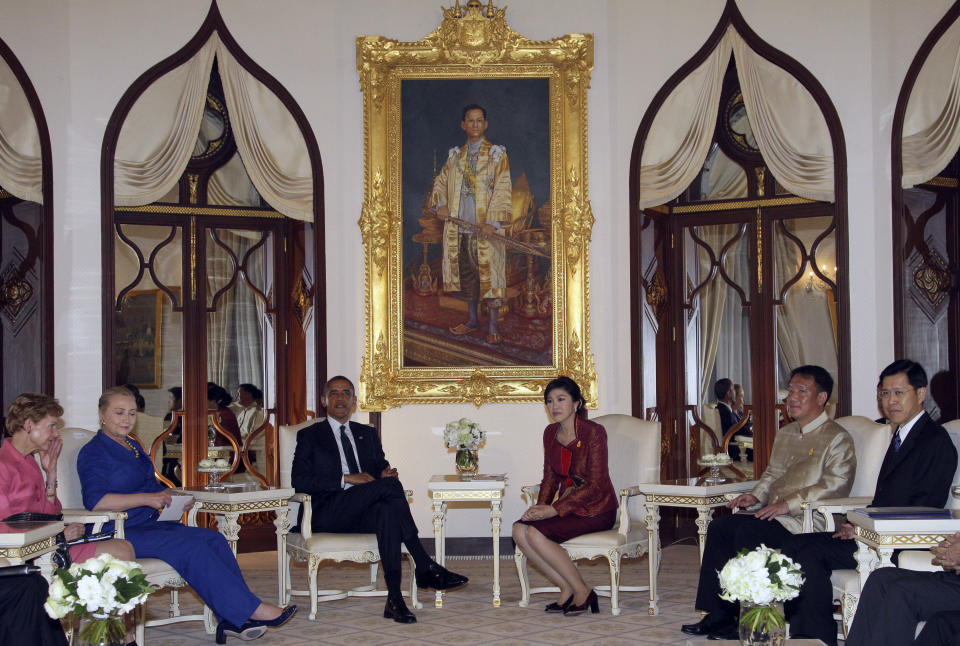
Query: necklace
x,y
130,445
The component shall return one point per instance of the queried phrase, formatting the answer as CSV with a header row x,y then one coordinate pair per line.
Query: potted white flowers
x,y
466,437
99,592
761,580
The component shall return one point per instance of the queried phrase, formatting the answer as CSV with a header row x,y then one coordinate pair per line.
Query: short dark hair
x,y
217,393
570,387
253,391
821,378
326,386
177,392
722,388
916,375
30,406
473,106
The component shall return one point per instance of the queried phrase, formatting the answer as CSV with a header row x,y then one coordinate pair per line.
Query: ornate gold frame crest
x,y
473,42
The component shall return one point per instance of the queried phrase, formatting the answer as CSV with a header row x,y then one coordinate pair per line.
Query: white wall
x,y
82,56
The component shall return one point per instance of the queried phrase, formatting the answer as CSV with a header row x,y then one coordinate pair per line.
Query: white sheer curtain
x,y
931,126
713,299
21,166
158,136
805,331
790,129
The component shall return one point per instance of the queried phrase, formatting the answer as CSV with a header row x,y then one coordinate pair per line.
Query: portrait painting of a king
x,y
477,288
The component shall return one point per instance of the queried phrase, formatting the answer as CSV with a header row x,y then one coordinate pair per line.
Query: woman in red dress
x,y
576,496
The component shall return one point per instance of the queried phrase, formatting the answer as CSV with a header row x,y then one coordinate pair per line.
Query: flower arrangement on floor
x,y
103,588
466,437
761,580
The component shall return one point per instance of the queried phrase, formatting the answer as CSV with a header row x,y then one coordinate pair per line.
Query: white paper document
x,y
175,509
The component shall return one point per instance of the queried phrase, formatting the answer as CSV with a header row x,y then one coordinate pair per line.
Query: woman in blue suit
x,y
116,476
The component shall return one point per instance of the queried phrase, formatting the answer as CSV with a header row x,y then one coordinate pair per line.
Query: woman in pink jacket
x,y
31,427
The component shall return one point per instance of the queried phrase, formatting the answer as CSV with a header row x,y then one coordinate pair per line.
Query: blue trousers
x,y
204,559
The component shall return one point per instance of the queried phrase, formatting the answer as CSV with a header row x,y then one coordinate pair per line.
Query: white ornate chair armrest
x,y
827,507
95,518
307,519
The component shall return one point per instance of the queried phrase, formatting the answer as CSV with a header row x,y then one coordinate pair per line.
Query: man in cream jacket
x,y
813,458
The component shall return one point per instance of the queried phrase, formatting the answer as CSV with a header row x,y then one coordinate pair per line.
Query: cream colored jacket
x,y
812,463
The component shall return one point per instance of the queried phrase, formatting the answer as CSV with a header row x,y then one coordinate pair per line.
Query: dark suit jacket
x,y
921,472
727,418
316,461
592,492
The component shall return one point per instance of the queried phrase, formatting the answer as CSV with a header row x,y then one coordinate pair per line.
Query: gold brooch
x,y
578,444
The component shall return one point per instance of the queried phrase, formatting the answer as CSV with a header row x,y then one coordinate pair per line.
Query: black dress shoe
x,y
575,609
707,625
439,578
397,610
730,631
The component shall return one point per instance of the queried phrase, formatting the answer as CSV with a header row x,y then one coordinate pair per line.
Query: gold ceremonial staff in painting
x,y
474,42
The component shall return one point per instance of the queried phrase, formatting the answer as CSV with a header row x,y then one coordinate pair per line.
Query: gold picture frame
x,y
139,349
474,48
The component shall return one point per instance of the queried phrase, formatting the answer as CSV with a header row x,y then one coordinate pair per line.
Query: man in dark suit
x,y
729,417
353,488
894,601
917,471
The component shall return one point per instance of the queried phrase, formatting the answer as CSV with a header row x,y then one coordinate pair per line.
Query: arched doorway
x,y
213,257
735,226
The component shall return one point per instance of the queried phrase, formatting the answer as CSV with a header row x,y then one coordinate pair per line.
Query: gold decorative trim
x,y
28,551
175,209
4,194
473,41
738,204
210,507
690,501
467,495
945,182
914,539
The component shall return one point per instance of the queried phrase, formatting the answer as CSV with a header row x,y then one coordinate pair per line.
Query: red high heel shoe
x,y
576,609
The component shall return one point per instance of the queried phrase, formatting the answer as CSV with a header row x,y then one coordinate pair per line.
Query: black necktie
x,y
896,440
348,450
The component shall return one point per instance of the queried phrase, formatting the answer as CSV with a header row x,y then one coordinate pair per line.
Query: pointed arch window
x,y
926,215
213,269
738,228
26,236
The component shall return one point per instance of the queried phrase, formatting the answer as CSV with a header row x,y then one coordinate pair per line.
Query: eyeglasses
x,y
899,393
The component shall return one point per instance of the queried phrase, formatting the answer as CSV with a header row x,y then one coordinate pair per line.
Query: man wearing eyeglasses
x,y
917,471
813,458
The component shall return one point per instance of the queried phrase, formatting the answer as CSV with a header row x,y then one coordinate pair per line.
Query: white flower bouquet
x,y
761,577
463,433
103,587
718,459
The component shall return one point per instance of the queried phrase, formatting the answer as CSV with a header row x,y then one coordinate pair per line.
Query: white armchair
x,y
159,573
314,547
633,457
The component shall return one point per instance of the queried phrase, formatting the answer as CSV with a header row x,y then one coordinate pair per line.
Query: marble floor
x,y
468,616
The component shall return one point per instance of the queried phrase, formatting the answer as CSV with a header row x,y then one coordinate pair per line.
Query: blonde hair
x,y
30,406
110,393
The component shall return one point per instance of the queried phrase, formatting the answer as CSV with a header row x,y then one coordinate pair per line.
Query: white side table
x,y
24,541
242,498
685,493
447,488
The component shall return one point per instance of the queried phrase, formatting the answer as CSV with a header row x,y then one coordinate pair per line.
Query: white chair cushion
x,y
160,573
845,581
327,542
920,560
